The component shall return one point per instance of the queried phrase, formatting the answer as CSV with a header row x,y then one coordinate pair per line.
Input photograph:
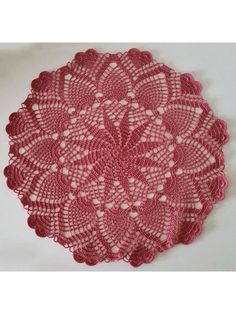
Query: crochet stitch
x,y
116,156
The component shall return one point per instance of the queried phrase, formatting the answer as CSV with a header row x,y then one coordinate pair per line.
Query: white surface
x,y
214,65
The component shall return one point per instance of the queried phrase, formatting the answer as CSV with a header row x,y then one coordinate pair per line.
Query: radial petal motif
x,y
116,156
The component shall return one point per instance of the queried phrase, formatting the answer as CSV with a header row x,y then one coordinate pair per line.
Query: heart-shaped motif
x,y
133,214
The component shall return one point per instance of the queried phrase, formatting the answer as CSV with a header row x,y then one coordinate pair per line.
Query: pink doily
x,y
116,156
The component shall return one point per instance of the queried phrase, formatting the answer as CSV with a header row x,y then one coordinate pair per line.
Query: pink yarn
x,y
116,156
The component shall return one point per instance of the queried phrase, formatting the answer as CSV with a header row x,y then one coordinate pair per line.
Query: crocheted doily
x,y
116,156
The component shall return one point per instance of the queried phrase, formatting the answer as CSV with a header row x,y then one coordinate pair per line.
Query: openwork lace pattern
x,y
116,156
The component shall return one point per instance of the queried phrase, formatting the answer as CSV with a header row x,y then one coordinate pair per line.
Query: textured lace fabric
x,y
116,156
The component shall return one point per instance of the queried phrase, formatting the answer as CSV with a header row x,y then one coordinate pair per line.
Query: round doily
x,y
116,156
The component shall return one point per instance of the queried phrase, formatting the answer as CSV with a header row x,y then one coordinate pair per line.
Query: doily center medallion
x,y
116,156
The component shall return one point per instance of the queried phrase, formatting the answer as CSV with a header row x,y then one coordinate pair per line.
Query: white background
x,y
214,65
